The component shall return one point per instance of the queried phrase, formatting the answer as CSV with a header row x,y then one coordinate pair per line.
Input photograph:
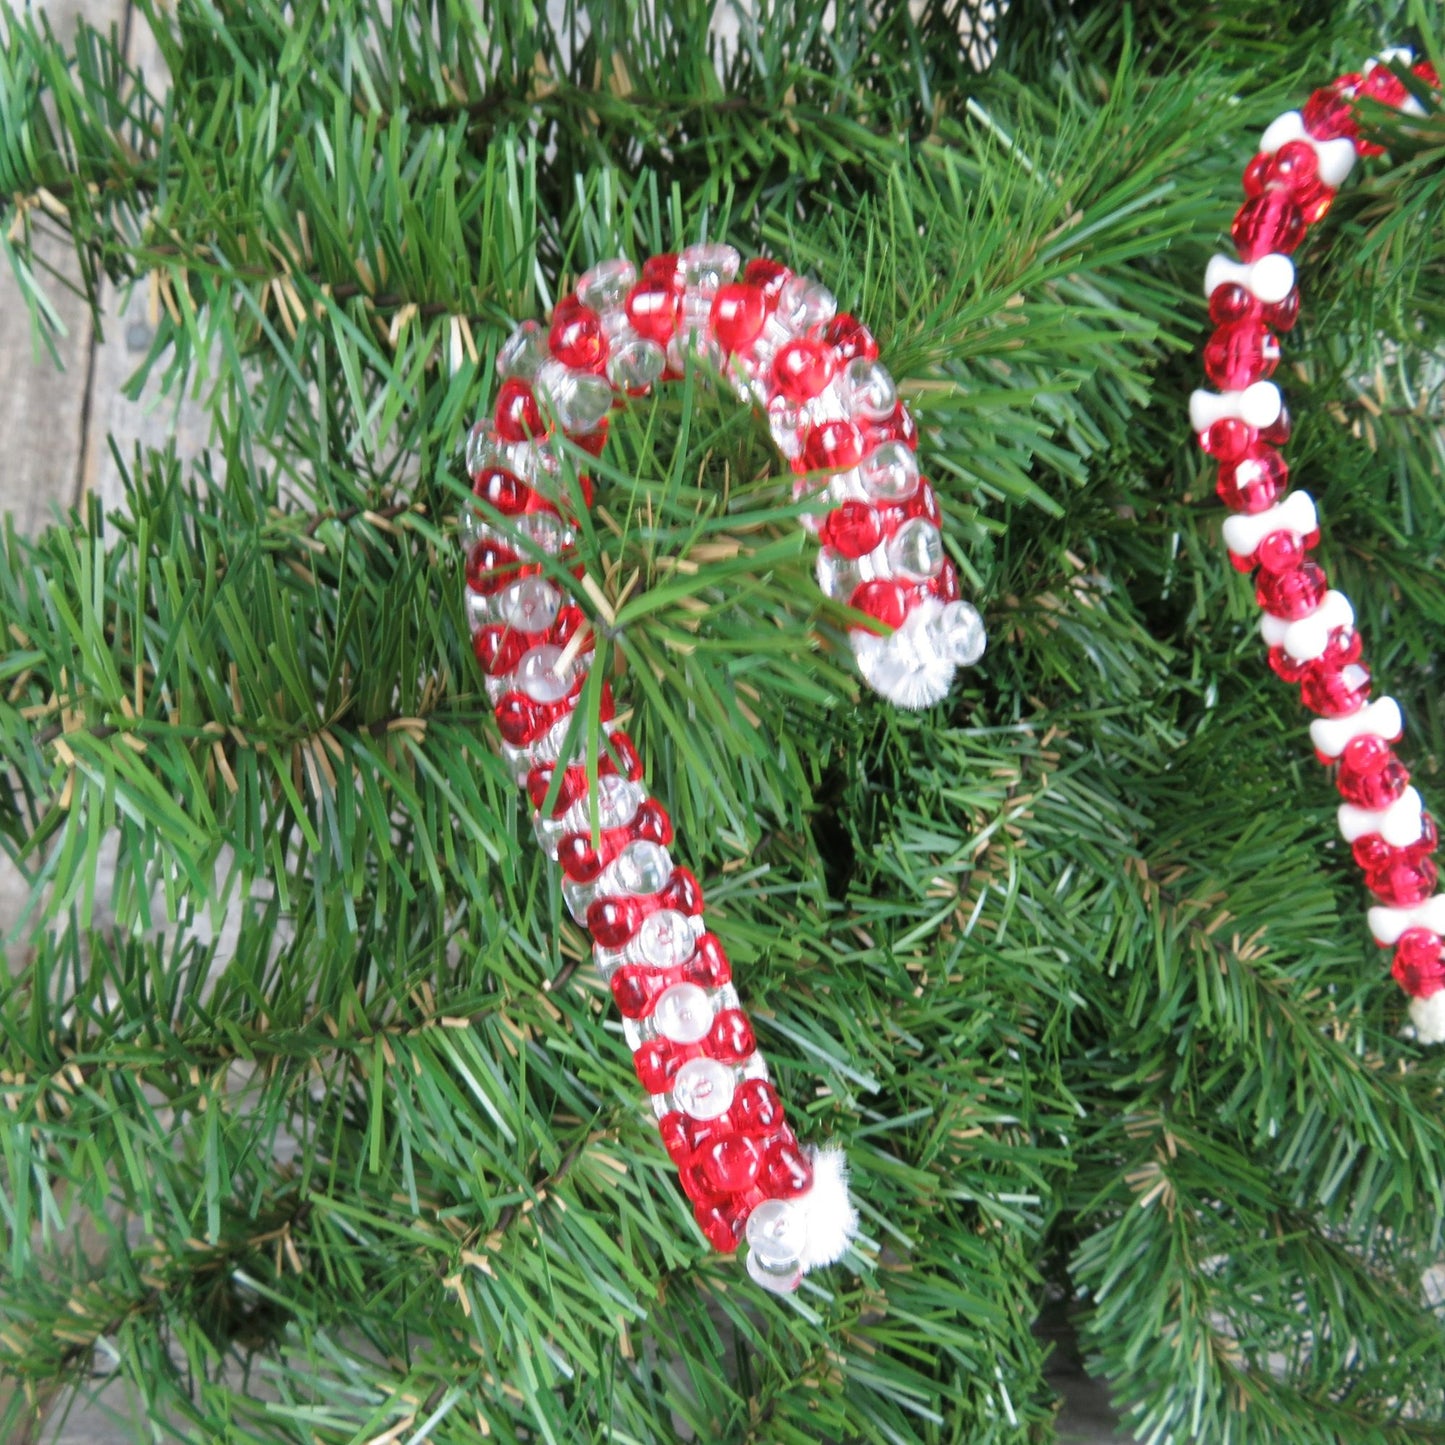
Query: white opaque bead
x,y
1244,531
1269,279
1401,824
1381,719
1307,638
1258,405
1387,924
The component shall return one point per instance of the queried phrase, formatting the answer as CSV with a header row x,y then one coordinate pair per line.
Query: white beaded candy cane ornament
x,y
834,413
1309,627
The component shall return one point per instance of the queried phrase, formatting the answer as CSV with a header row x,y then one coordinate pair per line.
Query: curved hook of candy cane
x,y
835,415
1303,158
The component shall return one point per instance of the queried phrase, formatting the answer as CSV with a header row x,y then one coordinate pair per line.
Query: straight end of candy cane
x,y
1428,1016
788,1237
914,665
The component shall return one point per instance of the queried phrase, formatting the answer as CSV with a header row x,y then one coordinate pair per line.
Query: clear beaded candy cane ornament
x,y
834,413
1303,158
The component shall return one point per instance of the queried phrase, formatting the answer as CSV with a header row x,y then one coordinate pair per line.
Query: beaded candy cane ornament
x,y
1303,158
835,416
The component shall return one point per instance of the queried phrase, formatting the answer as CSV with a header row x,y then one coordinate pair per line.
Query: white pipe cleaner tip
x,y
832,1222
1428,1016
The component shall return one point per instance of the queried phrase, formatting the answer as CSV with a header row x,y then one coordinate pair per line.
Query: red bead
x,y
634,988
833,446
501,489
1296,169
1282,315
900,427
661,269
708,967
848,337
491,567
657,1061
738,313
517,416
1384,86
500,649
853,530
756,1107
520,719
1404,884
723,1224
769,276
730,1164
887,601
1277,433
1241,353
1370,775
1424,70
1374,855
613,921
945,586
652,310
676,1136
1294,594
1230,303
1268,223
1335,690
802,369
786,1171
1228,439
1328,113
576,338
1255,482
1419,966
683,892
1280,551
731,1037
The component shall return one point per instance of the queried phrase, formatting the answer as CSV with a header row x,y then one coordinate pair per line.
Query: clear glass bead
x,y
868,390
889,473
578,399
683,1013
785,422
667,938
635,364
703,1089
915,550
777,1235
708,266
540,678
481,447
529,605
546,531
803,303
618,798
480,610
605,286
523,352
695,342
958,634
838,576
641,869
578,897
